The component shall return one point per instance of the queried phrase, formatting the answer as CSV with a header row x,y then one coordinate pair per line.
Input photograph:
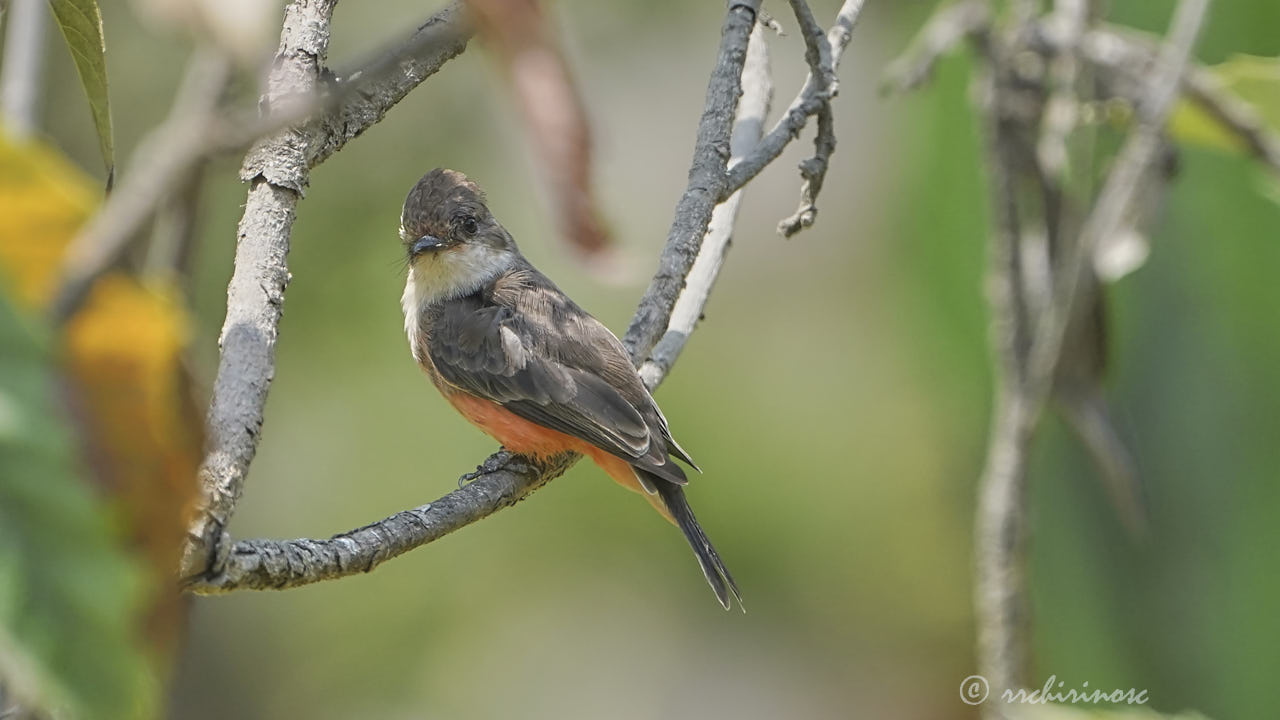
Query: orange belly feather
x,y
529,438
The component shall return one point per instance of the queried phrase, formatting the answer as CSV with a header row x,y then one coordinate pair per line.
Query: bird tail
x,y
712,566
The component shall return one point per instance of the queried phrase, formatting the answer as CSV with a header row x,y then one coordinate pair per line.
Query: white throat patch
x,y
446,275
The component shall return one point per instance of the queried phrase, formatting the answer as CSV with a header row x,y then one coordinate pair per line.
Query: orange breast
x,y
514,432
529,438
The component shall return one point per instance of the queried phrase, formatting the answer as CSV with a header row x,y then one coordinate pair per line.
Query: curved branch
x,y
504,479
279,168
255,295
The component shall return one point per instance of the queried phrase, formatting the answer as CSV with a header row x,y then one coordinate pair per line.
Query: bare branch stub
x,y
505,479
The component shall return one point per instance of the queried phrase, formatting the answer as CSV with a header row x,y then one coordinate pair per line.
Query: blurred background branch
x,y
321,120
1045,298
22,67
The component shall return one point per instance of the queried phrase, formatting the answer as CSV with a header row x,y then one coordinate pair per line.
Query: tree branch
x,y
278,169
1001,591
255,295
823,53
706,185
753,109
198,128
1131,165
165,159
365,95
23,66
1027,377
1127,53
503,479
947,27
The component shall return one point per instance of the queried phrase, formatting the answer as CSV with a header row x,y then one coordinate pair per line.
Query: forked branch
x,y
502,479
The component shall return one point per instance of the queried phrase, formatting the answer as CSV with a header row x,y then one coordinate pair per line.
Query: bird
x,y
519,359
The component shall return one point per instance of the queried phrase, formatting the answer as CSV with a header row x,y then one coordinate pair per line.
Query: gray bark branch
x,y
823,53
278,169
503,479
255,295
753,110
706,185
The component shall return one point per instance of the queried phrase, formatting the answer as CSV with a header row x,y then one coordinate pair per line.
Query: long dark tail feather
x,y
712,566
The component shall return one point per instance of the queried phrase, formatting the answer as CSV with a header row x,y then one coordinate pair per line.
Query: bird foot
x,y
493,463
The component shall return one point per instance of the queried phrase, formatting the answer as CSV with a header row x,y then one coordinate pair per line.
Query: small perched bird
x,y
525,364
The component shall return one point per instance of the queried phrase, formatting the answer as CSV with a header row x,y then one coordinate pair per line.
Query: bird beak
x,y
426,243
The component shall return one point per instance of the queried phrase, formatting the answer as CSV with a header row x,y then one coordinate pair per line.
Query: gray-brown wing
x,y
553,372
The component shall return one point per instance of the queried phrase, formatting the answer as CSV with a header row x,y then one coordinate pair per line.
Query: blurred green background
x,y
837,397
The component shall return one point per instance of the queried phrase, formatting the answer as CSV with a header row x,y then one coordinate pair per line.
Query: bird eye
x,y
469,225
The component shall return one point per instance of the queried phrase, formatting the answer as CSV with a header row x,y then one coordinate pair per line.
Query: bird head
x,y
452,241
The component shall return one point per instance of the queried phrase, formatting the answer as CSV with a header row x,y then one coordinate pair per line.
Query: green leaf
x,y
70,597
81,24
1252,79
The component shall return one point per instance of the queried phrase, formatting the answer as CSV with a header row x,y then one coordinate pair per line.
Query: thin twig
x,y
948,26
813,96
1129,53
1205,90
174,233
818,53
503,479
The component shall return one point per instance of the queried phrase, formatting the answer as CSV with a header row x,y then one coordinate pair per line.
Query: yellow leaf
x,y
1254,81
122,357
44,200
